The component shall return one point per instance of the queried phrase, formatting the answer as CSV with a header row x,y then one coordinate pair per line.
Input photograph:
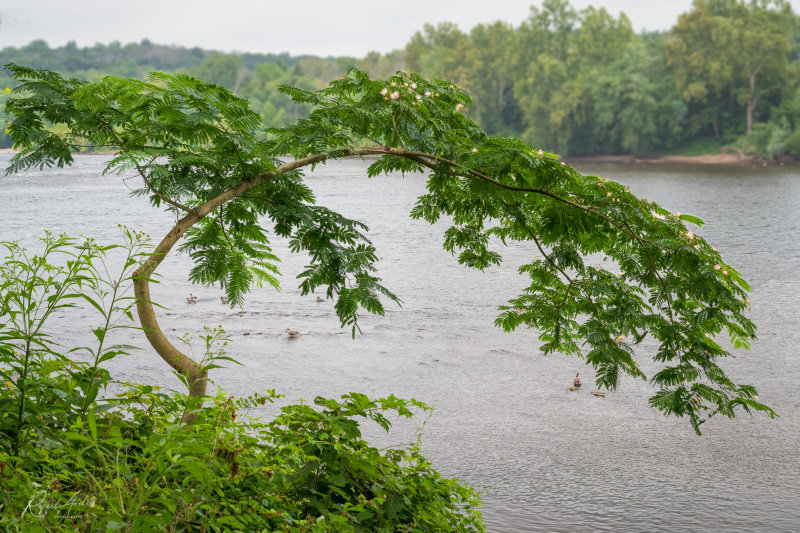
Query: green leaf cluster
x,y
82,452
608,269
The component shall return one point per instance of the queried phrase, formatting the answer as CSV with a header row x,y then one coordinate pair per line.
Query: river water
x,y
504,421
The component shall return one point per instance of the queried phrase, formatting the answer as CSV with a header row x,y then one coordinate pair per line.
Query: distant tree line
x,y
572,81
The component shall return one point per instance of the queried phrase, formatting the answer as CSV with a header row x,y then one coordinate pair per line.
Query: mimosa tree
x,y
196,148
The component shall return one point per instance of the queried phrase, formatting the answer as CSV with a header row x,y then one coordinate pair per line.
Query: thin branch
x,y
236,148
667,294
583,289
225,233
366,136
121,144
564,299
164,198
544,192
547,257
397,133
93,145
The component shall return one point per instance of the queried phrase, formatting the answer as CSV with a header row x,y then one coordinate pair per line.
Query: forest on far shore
x,y
575,82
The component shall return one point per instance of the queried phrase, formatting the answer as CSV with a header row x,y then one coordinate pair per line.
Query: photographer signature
x,y
41,503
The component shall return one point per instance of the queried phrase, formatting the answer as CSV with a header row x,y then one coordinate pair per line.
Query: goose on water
x,y
292,333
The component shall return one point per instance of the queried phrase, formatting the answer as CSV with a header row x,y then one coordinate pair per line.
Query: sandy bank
x,y
705,159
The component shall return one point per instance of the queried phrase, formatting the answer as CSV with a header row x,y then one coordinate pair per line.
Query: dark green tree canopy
x,y
197,151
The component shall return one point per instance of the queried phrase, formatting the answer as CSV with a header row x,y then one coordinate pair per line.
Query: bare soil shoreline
x,y
704,159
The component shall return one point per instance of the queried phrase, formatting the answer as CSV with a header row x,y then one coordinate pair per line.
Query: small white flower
x,y
620,339
659,217
384,91
717,266
541,152
413,85
459,107
690,235
419,97
563,164
395,95
678,214
427,93
724,272
474,150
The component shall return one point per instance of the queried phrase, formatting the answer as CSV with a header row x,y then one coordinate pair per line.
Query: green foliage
x,y
562,50
574,81
72,459
222,69
728,55
190,142
631,105
702,146
32,289
196,150
768,140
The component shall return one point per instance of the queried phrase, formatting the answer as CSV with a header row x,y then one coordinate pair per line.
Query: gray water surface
x,y
504,422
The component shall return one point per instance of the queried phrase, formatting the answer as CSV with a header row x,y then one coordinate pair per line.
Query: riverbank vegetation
x,y
198,151
194,460
575,82
80,451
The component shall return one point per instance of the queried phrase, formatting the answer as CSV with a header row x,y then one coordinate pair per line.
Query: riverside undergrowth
x,y
80,451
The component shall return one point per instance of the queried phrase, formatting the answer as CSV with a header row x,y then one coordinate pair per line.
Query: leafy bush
x,y
767,140
73,456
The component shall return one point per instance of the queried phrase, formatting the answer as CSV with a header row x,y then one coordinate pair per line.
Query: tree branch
x,y
397,133
225,233
121,144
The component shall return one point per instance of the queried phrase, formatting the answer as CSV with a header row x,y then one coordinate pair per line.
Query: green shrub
x,y
768,140
73,457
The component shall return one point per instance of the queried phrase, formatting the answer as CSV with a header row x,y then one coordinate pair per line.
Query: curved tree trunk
x,y
196,376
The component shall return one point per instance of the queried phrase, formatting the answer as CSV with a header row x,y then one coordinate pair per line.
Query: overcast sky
x,y
319,27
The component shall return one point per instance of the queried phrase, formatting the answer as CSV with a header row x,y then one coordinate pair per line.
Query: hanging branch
x,y
201,131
